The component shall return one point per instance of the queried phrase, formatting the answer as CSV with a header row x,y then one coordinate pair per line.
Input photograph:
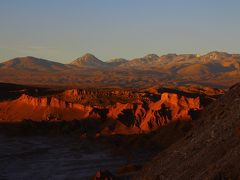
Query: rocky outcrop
x,y
136,116
42,109
34,101
171,107
51,102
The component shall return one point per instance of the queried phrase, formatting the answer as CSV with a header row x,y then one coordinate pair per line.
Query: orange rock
x,y
171,107
130,117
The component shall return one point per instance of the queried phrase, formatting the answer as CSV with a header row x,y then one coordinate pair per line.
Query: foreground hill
x,y
216,69
209,151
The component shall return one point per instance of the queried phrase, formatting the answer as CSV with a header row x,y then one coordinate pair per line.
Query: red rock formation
x,y
124,118
171,107
71,92
33,100
40,108
117,109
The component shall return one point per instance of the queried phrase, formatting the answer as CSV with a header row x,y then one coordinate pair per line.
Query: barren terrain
x,y
216,69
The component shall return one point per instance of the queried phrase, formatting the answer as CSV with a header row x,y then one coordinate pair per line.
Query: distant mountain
x,y
31,63
89,60
117,61
215,68
141,62
215,55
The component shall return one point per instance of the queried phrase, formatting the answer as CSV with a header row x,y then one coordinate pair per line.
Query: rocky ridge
x,y
141,114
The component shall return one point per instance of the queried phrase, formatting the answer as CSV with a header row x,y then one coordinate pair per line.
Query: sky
x,y
63,30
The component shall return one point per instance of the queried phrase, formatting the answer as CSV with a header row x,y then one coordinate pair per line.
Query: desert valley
x,y
119,90
134,118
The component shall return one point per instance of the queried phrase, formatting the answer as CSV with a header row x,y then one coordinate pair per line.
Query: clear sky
x,y
62,30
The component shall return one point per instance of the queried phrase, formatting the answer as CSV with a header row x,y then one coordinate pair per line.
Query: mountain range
x,y
215,68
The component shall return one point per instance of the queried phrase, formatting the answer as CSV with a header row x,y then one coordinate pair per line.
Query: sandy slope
x,y
210,151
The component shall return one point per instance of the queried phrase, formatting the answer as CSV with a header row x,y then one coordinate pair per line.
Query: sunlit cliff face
x,y
138,115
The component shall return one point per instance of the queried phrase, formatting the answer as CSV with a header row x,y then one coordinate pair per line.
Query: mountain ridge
x,y
219,68
30,62
88,60
88,57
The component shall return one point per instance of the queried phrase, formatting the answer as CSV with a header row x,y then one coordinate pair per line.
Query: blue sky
x,y
63,30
